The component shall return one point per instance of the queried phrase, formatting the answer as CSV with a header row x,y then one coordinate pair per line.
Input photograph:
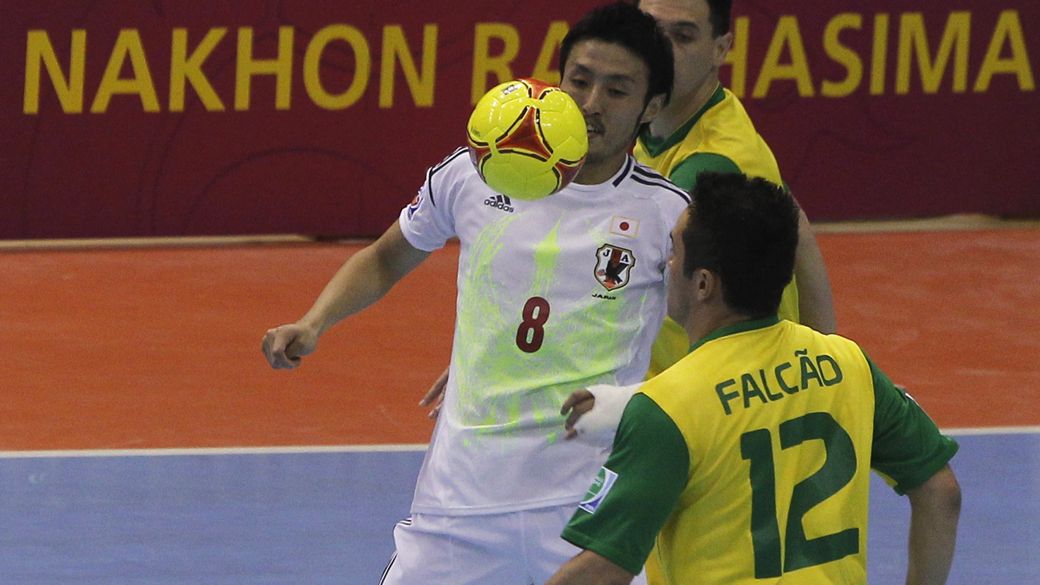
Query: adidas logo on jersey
x,y
500,202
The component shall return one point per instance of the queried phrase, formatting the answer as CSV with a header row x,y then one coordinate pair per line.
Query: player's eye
x,y
681,37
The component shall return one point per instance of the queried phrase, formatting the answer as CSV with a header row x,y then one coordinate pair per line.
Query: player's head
x,y
699,31
623,24
737,239
617,65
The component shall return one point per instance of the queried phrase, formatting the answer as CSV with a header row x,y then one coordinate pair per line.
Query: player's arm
x,y
589,567
913,456
636,491
362,280
935,509
815,302
435,395
593,413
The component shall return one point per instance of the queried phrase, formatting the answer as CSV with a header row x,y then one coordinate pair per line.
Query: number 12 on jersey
x,y
837,471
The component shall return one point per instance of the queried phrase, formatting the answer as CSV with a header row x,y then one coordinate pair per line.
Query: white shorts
x,y
516,548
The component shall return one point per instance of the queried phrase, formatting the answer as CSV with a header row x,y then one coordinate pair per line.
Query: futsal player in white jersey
x,y
553,295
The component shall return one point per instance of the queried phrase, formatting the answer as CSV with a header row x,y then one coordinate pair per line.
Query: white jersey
x,y
553,295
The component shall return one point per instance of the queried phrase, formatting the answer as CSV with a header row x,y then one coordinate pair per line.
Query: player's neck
x,y
682,108
596,172
711,319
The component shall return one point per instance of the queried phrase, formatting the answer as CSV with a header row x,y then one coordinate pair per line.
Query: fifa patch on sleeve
x,y
414,205
598,490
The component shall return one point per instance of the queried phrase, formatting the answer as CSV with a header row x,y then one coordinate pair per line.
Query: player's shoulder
x,y
833,344
726,117
450,176
457,161
646,183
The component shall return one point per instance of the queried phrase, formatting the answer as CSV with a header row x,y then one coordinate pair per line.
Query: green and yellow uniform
x,y
750,459
718,138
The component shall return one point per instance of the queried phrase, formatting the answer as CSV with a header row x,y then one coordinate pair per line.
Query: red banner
x,y
133,118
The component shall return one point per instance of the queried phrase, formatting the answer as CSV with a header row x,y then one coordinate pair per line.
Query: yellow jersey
x,y
749,461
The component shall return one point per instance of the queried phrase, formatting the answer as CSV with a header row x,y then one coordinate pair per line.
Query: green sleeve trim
x,y
685,173
908,447
651,463
655,146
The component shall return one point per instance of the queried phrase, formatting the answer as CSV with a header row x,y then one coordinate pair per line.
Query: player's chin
x,y
598,151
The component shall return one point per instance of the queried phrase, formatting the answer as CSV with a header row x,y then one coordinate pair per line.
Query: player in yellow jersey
x,y
749,459
704,127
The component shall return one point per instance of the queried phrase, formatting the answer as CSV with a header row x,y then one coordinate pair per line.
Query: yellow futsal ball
x,y
527,139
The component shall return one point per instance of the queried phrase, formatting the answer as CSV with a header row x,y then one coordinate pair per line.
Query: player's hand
x,y
285,345
576,405
435,395
593,413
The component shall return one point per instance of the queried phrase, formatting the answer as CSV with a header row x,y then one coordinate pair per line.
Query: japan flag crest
x,y
613,265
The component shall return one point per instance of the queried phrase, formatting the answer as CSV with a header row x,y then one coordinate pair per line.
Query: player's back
x,y
778,420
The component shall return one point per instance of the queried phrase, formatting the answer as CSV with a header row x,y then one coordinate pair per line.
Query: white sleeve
x,y
428,222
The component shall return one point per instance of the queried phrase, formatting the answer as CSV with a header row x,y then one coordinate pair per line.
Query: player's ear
x,y
722,46
653,107
706,284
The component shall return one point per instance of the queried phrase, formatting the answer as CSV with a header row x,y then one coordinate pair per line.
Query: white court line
x,y
961,431
213,451
992,431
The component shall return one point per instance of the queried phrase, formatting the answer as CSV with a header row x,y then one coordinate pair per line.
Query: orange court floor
x,y
158,345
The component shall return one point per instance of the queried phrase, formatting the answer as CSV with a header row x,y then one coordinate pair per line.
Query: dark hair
x,y
719,14
745,230
623,24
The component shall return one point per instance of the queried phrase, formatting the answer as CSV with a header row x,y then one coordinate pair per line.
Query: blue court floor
x,y
325,516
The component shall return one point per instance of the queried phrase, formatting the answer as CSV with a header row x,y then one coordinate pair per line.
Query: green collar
x,y
737,328
655,146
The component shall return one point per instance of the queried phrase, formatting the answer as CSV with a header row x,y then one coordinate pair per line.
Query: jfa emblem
x,y
613,264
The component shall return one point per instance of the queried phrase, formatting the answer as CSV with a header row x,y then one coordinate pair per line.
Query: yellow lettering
x,y
1008,30
843,55
786,35
69,89
912,35
128,44
247,66
485,64
543,66
395,45
188,68
879,55
312,67
737,57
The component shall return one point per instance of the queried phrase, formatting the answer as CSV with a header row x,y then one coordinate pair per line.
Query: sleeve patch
x,y
598,490
414,205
